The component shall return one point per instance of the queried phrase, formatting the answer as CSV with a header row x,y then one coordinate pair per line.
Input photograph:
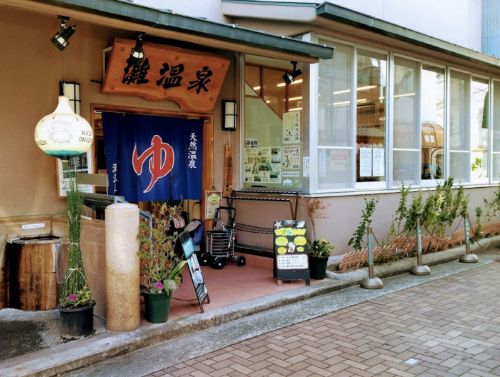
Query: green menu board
x,y
291,260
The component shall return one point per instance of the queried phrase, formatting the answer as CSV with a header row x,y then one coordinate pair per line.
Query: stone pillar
x,y
122,267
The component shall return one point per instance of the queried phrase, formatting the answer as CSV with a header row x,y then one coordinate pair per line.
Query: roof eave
x,y
346,16
170,21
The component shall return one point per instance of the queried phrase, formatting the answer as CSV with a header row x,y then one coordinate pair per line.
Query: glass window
x,y
479,130
272,135
459,130
335,146
370,110
273,90
432,115
252,79
406,168
431,108
496,131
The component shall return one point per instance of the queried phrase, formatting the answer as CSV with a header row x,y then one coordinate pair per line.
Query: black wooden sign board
x,y
199,285
291,253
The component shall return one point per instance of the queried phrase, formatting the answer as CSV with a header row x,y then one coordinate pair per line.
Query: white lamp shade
x,y
229,115
230,107
63,133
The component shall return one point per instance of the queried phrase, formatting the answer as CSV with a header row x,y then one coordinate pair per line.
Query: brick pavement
x,y
447,327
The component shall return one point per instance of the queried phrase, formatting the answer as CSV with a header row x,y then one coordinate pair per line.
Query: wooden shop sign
x,y
189,78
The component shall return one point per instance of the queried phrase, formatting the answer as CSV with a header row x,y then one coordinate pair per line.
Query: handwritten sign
x,y
191,79
291,262
290,251
378,162
365,162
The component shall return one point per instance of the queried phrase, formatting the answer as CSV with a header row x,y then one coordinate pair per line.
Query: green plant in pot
x,y
161,268
76,306
319,251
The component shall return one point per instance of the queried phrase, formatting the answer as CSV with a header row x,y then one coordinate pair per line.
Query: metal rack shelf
x,y
291,197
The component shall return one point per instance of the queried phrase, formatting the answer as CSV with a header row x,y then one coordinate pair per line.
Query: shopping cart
x,y
220,241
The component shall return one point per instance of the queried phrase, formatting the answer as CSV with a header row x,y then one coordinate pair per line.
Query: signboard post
x,y
291,260
194,270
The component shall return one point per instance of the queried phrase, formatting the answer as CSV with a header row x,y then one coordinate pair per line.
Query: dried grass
x,y
402,247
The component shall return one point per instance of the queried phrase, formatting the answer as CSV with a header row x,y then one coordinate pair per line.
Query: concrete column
x,y
122,267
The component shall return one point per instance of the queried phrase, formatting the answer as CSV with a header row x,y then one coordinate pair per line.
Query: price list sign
x,y
290,251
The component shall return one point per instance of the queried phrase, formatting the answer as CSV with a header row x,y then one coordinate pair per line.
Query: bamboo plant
x,y
74,292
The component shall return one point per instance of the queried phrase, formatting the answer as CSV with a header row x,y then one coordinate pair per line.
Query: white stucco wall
x,y
208,9
455,21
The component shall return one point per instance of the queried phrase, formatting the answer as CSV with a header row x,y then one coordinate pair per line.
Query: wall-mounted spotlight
x,y
290,77
61,38
137,53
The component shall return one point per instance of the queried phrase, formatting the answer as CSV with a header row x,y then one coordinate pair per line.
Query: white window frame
x,y
491,125
388,185
429,183
418,117
467,148
313,122
355,187
488,122
368,186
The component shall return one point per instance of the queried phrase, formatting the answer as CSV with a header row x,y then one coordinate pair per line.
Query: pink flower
x,y
159,285
72,297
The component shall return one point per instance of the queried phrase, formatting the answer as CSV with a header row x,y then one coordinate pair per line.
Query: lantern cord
x,y
61,83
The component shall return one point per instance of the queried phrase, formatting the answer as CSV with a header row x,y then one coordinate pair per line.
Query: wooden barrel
x,y
31,266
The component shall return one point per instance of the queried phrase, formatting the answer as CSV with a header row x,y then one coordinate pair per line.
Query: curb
x,y
66,357
405,265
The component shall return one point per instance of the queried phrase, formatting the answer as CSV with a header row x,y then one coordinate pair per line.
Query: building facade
x,y
391,106
394,106
31,181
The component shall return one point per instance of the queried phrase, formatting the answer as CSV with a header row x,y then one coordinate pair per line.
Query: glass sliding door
x,y
370,111
406,166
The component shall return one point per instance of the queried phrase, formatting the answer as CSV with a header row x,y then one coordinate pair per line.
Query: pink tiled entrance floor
x,y
230,285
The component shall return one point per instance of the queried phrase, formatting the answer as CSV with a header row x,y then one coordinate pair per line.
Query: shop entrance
x,y
175,184
252,281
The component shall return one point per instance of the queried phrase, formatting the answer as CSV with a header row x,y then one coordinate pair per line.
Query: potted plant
x,y
161,268
319,251
76,306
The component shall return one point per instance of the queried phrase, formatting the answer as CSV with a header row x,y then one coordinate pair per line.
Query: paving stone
x,y
449,326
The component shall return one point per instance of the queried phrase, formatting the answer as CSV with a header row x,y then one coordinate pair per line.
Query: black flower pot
x,y
157,307
317,267
77,321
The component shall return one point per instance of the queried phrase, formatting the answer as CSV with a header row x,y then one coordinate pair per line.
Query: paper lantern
x,y
63,133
